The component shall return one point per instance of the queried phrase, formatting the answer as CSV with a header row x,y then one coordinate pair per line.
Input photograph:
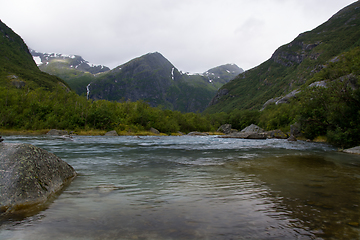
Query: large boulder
x,y
29,176
226,128
253,129
276,134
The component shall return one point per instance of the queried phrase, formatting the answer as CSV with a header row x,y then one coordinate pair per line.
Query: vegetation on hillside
x,y
293,64
37,109
332,111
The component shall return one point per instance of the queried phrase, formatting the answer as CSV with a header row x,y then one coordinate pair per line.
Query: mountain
x,y
293,64
17,65
73,69
156,80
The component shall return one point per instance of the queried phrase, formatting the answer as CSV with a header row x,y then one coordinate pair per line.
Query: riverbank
x,y
9,132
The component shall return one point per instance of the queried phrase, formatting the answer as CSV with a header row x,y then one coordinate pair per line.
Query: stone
x,y
354,150
1,139
112,133
276,134
253,128
155,131
246,135
226,128
55,132
292,138
29,176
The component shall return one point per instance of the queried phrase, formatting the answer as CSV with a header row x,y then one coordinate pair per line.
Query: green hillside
x,y
154,79
291,65
17,67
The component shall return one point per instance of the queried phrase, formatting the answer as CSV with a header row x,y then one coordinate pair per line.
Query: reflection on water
x,y
197,188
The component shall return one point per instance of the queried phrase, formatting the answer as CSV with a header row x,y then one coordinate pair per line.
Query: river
x,y
196,188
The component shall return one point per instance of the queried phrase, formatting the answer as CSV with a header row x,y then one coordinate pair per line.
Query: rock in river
x,y
29,176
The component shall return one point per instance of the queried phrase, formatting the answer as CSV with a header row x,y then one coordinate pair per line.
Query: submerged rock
x,y
29,176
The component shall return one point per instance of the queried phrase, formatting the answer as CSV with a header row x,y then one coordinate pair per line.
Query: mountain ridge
x,y
130,81
154,79
292,64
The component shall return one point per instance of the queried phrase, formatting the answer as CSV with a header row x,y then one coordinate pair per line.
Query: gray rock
x,y
270,101
288,97
354,150
112,133
226,128
55,132
276,134
29,176
292,138
155,131
246,135
253,129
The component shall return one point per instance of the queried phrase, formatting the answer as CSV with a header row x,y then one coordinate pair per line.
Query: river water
x,y
196,188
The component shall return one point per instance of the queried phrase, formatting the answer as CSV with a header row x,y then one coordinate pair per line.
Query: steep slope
x,y
73,69
17,67
154,79
292,64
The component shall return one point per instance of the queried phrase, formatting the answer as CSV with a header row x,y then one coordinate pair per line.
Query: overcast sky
x,y
195,35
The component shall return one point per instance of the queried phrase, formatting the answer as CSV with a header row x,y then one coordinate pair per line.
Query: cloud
x,y
195,35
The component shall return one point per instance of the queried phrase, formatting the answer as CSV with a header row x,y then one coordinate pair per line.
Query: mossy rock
x,y
29,176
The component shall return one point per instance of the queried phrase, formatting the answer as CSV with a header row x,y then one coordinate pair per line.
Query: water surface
x,y
196,188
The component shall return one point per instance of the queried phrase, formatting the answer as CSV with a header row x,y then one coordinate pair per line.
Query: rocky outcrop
x,y
225,128
29,176
294,53
219,94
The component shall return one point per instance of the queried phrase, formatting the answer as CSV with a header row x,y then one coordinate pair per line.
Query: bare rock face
x,y
29,176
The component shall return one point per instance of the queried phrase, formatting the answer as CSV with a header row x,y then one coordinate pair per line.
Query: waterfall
x,y
88,91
